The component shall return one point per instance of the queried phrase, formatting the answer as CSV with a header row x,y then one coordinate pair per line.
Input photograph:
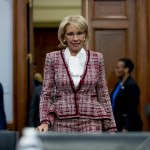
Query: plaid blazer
x,y
89,100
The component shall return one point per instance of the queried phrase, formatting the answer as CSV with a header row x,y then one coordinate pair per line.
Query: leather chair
x,y
8,139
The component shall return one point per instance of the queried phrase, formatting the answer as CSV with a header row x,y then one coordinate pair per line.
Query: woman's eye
x,y
79,33
70,33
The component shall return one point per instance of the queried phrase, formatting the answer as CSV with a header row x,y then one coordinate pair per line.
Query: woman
x,y
82,102
125,98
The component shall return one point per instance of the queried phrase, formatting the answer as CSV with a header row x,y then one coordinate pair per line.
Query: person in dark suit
x,y
125,98
2,112
33,116
37,79
34,120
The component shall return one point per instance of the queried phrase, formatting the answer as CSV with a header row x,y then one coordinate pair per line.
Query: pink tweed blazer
x,y
89,100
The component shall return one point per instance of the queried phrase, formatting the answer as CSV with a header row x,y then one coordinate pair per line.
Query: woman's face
x,y
75,38
120,69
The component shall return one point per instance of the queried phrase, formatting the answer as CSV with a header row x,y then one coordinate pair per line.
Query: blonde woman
x,y
82,102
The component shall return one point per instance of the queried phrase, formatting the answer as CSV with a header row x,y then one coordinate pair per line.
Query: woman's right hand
x,y
43,127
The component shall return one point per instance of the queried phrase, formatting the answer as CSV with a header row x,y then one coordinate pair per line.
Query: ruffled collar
x,y
76,64
81,56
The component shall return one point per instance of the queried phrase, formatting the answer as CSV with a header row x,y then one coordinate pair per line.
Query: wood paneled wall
x,y
118,28
46,41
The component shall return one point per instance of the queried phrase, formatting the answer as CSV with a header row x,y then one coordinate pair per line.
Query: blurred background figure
x,y
33,119
2,112
38,79
125,98
147,110
34,107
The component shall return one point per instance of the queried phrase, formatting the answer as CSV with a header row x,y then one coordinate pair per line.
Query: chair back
x,y
8,139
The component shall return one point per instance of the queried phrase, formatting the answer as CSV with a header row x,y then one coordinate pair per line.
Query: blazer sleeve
x,y
47,90
104,98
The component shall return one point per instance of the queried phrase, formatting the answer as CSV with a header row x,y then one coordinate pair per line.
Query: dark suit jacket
x,y
2,112
34,120
126,106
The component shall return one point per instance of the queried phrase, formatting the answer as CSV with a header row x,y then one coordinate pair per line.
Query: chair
x,y
8,139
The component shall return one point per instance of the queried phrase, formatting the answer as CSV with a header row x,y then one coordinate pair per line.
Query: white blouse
x,y
76,64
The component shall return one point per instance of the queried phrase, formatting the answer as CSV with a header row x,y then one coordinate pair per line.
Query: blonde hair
x,y
77,21
38,77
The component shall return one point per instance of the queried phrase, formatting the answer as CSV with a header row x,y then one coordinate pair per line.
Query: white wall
x,y
50,12
6,56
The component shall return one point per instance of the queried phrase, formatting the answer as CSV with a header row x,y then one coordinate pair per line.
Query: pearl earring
x,y
64,42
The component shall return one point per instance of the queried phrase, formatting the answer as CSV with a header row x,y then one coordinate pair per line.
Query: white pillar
x,y
6,56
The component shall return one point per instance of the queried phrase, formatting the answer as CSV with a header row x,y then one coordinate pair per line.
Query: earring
x,y
64,42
